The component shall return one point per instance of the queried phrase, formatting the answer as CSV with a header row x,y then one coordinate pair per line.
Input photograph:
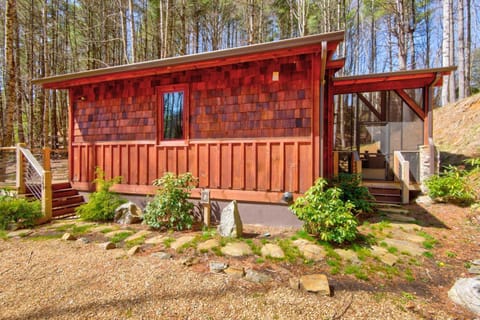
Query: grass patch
x,y
388,272
106,230
119,237
409,275
302,234
255,248
291,252
392,250
259,260
428,255
362,252
429,242
136,242
80,230
3,234
217,251
450,254
45,237
65,227
168,242
208,233
357,271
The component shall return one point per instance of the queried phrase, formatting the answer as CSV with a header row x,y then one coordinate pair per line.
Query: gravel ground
x,y
53,279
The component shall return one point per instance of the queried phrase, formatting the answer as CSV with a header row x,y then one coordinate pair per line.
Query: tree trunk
x,y
133,40
11,28
446,50
460,51
468,46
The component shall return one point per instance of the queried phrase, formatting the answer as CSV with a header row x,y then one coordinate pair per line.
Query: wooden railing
x,y
37,179
401,170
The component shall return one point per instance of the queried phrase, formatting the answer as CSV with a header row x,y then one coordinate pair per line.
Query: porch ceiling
x,y
390,81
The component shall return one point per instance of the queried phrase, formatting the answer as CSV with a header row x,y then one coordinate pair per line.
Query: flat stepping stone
x,y
208,245
20,233
101,228
475,269
273,251
107,245
180,242
317,283
309,250
393,210
405,246
348,255
235,272
236,249
112,234
408,227
134,250
138,235
384,256
401,235
400,217
156,240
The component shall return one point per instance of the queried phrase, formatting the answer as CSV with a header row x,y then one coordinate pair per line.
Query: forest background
x,y
52,37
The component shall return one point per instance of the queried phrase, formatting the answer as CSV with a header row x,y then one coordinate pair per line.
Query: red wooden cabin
x,y
251,122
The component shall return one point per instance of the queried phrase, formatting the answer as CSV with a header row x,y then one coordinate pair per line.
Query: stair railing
x,y
38,179
401,170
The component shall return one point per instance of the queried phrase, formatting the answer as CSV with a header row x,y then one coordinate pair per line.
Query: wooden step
x,y
59,202
64,210
62,193
61,185
385,191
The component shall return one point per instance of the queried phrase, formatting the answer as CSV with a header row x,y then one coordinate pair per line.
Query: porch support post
x,y
322,106
428,121
20,183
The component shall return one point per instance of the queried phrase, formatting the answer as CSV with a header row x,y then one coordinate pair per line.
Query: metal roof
x,y
374,77
200,57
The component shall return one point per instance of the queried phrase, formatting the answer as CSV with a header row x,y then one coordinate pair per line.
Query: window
x,y
172,113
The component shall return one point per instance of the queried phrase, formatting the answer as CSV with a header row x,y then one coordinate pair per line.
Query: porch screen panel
x,y
173,104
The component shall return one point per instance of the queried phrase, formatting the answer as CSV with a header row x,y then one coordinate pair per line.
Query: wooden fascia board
x,y
352,86
370,106
411,103
186,67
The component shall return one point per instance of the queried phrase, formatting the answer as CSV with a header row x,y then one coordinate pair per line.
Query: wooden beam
x,y
411,103
370,106
353,86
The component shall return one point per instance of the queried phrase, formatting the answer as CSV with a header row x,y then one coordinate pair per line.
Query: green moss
x,y
136,242
428,254
291,252
3,235
168,242
409,275
392,250
119,237
357,271
64,227
45,237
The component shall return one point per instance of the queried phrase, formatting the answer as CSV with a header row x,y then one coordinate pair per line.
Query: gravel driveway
x,y
54,279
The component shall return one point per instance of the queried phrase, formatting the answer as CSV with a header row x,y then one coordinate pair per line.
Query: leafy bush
x,y
102,203
352,191
170,208
18,210
451,186
325,214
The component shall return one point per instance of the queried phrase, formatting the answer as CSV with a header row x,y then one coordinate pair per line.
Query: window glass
x,y
173,115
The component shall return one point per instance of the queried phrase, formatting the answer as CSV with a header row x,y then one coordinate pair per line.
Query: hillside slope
x,y
456,129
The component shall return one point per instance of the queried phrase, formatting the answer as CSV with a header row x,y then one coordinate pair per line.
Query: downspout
x,y
431,145
322,105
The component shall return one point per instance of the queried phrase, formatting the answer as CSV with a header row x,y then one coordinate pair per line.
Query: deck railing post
x,y
20,181
46,158
335,163
47,195
405,182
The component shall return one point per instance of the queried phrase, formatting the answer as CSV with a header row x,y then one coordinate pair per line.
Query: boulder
x,y
180,242
128,213
466,292
317,283
236,249
230,222
208,245
257,277
235,272
217,267
273,251
161,255
68,237
108,245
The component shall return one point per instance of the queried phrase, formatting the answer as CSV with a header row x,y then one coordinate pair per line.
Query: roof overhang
x,y
255,52
411,79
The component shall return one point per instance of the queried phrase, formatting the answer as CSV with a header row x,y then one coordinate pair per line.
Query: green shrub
x,y
325,214
451,186
170,208
18,210
352,191
102,203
